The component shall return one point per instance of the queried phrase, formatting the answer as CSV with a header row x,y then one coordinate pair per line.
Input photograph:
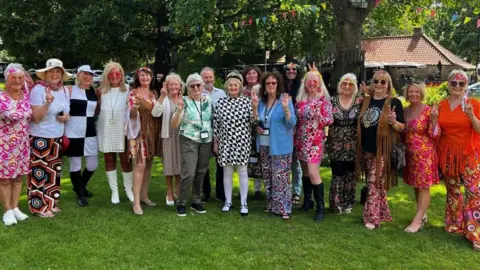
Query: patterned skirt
x,y
43,182
276,174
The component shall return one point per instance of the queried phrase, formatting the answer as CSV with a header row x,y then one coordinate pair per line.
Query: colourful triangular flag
x,y
478,23
476,11
257,20
467,19
243,23
324,5
293,13
274,18
284,14
419,10
377,2
432,13
264,19
455,17
235,24
250,21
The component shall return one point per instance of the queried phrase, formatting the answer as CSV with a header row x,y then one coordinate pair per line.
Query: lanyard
x,y
198,110
268,111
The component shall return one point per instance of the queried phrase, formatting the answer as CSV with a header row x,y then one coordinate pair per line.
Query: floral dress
x,y
14,141
313,116
341,147
421,170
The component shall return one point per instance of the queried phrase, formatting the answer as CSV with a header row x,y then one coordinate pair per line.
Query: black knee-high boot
x,y
76,178
86,176
318,193
307,194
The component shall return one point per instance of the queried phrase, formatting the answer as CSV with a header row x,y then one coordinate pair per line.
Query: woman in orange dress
x,y
420,135
459,158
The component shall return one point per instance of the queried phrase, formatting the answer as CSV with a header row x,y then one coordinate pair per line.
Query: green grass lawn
x,y
105,236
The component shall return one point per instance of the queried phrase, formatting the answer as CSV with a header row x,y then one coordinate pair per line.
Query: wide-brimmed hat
x,y
85,68
53,63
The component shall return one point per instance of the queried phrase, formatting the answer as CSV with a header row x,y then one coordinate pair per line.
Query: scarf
x,y
165,119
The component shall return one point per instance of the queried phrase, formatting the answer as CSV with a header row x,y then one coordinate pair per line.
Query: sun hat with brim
x,y
85,68
53,63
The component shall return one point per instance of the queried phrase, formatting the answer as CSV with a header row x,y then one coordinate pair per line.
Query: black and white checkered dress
x,y
80,129
232,124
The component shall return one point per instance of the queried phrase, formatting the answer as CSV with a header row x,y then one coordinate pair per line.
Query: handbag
x,y
398,156
64,144
254,167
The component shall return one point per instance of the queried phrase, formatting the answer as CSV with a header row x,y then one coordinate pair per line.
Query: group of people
x,y
264,126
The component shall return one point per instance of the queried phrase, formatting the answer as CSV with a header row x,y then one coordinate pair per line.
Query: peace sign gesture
x,y
468,109
434,113
49,98
312,67
285,98
364,88
180,105
392,116
163,93
254,101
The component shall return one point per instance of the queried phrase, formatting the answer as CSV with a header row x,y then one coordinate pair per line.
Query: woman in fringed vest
x,y
142,134
381,122
459,158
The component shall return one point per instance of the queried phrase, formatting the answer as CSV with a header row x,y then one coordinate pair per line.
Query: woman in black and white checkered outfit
x,y
80,130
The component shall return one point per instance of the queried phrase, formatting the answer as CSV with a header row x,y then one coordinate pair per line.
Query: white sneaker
x,y
9,218
244,210
348,210
226,207
19,216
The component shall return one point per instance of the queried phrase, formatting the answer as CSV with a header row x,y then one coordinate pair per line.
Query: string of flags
x,y
455,17
270,18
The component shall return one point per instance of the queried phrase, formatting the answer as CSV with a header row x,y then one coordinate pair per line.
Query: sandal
x,y
47,214
285,217
55,210
137,212
148,202
295,199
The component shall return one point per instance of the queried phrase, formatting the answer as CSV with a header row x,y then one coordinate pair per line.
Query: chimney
x,y
417,32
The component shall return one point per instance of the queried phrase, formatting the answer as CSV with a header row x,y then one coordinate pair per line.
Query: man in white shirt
x,y
208,77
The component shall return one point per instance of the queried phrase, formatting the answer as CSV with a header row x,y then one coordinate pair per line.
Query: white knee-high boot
x,y
112,181
127,183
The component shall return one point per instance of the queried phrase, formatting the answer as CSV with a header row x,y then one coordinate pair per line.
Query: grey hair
x,y
351,77
192,78
174,76
207,69
12,66
302,94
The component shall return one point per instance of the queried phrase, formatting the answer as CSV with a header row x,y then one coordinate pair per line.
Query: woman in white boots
x,y
112,100
15,114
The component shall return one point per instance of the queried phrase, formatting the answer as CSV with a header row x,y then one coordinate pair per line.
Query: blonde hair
x,y
302,94
174,76
77,82
352,78
389,81
105,84
420,86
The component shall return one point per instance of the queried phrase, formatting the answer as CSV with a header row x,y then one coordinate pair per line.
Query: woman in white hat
x,y
81,132
112,101
50,106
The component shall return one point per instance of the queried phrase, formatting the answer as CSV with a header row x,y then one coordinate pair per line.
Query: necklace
x,y
113,105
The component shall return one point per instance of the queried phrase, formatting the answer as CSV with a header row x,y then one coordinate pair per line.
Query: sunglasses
x,y
114,74
291,69
193,86
382,82
271,83
351,84
455,83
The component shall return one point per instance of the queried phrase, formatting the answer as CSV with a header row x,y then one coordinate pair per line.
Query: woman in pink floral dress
x,y
15,114
420,135
314,113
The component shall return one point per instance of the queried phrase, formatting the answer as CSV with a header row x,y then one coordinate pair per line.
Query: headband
x,y
291,64
460,76
236,76
314,72
10,71
144,69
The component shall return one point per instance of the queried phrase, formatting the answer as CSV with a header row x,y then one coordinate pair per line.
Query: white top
x,y
49,127
111,121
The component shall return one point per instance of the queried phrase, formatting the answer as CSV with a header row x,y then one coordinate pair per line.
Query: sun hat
x,y
85,68
53,63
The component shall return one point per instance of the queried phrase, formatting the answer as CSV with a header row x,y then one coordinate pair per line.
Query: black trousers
x,y
207,186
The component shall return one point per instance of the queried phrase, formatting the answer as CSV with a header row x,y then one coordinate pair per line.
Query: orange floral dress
x,y
420,137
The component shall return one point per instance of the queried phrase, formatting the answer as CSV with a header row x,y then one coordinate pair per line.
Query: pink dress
x,y
312,117
421,170
14,144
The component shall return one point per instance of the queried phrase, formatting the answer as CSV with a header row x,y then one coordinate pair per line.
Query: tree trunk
x,y
163,45
348,38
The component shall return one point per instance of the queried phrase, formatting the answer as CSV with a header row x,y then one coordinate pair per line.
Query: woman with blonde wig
x,y
112,104
378,130
314,113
